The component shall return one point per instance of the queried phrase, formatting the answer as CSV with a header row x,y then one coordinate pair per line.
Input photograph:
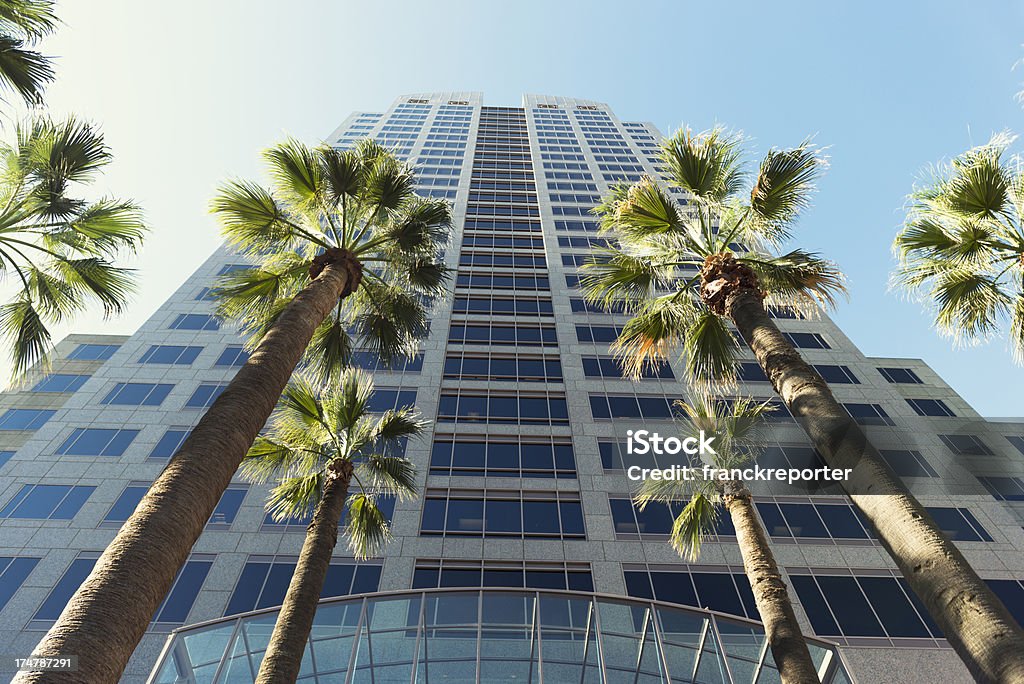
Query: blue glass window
x,y
205,395
47,502
170,354
137,394
232,356
195,322
60,382
65,588
97,442
93,352
13,572
170,443
24,419
5,456
227,508
263,583
931,407
176,606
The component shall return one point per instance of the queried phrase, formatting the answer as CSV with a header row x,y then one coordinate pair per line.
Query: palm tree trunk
x,y
108,615
789,649
291,631
976,623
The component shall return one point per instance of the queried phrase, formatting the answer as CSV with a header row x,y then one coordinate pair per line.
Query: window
x,y
232,356
801,458
205,395
368,360
815,521
97,442
170,354
443,573
176,606
522,335
871,606
503,306
868,414
959,524
806,340
13,573
502,513
611,406
722,591
751,372
655,519
170,443
483,407
195,322
836,375
93,352
903,376
137,394
60,382
1004,488
608,367
223,515
907,463
470,366
931,407
264,582
493,456
966,445
174,609
5,456
233,268
390,400
599,334
65,588
1017,442
46,502
24,419
385,503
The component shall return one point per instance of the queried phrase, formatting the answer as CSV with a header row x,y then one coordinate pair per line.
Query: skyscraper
x,y
522,479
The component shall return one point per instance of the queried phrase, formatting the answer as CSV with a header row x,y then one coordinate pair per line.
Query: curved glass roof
x,y
492,635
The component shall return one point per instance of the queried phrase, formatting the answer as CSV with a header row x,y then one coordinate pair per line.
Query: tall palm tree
x,y
717,257
962,248
317,445
328,213
58,248
22,24
735,425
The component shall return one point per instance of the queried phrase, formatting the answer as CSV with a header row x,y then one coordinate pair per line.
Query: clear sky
x,y
189,92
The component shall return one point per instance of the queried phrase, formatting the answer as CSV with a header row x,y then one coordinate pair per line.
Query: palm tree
x,y
316,446
962,248
22,24
58,247
735,425
329,212
717,258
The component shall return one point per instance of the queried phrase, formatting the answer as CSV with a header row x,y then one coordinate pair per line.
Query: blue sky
x,y
189,92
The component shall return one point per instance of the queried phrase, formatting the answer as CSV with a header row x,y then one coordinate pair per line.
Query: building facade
x,y
522,477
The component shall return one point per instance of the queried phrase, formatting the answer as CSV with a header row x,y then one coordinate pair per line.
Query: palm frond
x,y
23,329
655,329
697,521
25,71
706,164
366,526
798,277
394,475
783,187
34,19
710,350
295,497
